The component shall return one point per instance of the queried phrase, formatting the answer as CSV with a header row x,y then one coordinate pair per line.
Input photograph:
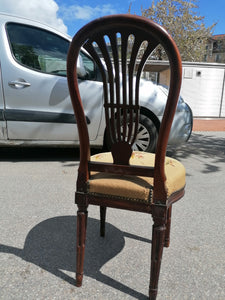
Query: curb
x,y
209,124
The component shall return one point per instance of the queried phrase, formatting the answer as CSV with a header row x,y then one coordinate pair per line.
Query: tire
x,y
146,138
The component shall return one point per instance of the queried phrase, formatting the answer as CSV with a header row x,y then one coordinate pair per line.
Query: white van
x,y
35,107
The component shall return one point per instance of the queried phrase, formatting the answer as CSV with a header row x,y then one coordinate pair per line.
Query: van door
x,y
38,105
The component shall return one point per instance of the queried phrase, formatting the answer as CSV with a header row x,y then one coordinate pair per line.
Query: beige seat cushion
x,y
135,188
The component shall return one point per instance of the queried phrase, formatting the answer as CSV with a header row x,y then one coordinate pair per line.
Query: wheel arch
x,y
148,113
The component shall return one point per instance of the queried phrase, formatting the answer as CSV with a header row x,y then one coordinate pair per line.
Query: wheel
x,y
147,135
146,138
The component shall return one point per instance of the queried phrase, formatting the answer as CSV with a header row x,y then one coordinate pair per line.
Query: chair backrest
x,y
120,45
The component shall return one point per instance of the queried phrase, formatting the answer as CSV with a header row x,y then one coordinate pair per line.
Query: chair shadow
x,y
206,147
51,245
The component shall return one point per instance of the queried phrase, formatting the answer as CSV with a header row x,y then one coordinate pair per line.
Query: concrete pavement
x,y
38,231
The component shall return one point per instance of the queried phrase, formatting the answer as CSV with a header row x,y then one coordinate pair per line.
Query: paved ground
x,y
38,225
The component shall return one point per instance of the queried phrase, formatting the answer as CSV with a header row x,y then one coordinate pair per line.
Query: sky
x,y
70,15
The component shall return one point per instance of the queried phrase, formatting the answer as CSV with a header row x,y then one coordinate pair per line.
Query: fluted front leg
x,y
158,237
81,236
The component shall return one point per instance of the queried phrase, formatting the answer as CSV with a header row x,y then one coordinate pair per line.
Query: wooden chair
x,y
123,178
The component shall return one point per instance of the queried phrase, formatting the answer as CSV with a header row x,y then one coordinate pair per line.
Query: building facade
x,y
215,49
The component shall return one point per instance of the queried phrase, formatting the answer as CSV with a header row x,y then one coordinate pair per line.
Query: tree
x,y
181,20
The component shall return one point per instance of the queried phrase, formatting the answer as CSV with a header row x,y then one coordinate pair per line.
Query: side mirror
x,y
81,72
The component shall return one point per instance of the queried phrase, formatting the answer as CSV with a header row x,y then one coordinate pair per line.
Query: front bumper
x,y
182,125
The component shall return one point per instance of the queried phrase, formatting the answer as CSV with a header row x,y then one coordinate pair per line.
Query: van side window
x,y
89,66
38,49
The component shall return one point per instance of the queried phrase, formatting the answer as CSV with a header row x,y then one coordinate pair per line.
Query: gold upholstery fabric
x,y
135,188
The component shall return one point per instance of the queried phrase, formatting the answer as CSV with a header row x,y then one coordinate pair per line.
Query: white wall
x,y
203,89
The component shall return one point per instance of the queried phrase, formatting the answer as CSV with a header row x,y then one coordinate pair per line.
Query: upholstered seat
x,y
135,188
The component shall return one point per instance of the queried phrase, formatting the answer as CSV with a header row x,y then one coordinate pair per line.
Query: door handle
x,y
19,84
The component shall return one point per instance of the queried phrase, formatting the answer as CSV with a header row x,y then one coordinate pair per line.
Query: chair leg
x,y
81,236
158,237
102,220
168,225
